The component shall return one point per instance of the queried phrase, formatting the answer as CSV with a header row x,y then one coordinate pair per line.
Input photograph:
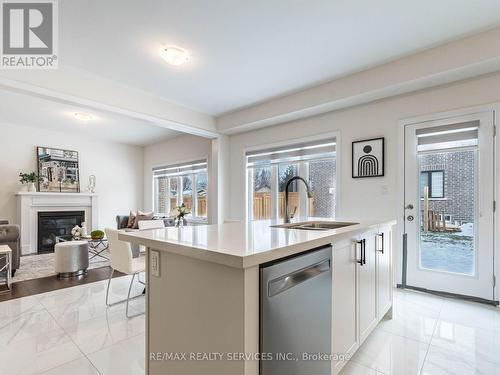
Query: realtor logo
x,y
29,34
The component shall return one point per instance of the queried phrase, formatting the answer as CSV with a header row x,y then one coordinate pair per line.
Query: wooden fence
x,y
188,201
433,221
262,205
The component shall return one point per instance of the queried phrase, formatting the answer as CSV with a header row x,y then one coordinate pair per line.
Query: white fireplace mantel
x,y
30,203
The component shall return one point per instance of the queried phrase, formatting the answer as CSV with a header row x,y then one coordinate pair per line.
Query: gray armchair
x,y
10,235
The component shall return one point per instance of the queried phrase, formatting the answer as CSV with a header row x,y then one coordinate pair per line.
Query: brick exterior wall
x,y
162,194
322,178
459,174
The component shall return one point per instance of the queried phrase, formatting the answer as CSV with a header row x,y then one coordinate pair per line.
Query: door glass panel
x,y
261,193
448,194
285,172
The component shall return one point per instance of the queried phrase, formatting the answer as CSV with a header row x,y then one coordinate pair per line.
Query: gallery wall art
x,y
368,158
58,170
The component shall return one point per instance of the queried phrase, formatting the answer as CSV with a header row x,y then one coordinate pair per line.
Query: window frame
x,y
180,189
302,171
429,183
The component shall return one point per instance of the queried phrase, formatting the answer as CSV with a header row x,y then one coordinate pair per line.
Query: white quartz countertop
x,y
244,245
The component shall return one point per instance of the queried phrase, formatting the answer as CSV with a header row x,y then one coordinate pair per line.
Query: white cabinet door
x,y
344,328
384,270
367,281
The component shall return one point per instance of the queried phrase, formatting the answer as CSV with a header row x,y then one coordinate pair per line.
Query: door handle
x,y
360,261
409,207
380,242
364,250
295,278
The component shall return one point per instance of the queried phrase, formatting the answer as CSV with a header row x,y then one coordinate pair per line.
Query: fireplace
x,y
52,224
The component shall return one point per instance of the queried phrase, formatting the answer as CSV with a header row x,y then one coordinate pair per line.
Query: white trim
x,y
274,192
194,192
29,204
303,171
248,194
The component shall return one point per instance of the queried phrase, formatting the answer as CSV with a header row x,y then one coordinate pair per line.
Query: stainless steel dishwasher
x,y
296,314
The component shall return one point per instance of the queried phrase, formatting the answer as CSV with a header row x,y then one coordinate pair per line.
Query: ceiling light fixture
x,y
174,55
81,116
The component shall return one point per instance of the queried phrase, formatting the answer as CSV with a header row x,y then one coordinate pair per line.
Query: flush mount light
x,y
174,55
82,116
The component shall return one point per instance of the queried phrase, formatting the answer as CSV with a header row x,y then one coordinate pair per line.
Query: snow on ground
x,y
450,252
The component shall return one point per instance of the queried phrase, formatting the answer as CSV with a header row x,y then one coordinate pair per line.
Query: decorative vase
x,y
24,187
92,181
31,187
83,231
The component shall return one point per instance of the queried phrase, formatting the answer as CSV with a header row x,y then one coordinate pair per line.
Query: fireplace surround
x,y
31,203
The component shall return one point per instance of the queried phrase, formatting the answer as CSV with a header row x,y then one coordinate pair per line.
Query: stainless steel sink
x,y
314,225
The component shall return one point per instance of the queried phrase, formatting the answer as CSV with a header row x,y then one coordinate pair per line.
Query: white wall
x,y
372,197
178,150
457,60
117,167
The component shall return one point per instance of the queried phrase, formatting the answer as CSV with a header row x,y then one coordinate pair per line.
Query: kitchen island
x,y
203,289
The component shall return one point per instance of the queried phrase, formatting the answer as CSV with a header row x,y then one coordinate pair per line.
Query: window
x,y
261,192
269,170
434,180
201,194
181,183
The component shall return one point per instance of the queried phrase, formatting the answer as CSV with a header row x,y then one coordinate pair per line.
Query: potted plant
x,y
182,211
29,179
97,234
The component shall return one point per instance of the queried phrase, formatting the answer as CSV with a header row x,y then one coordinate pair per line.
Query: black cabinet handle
x,y
360,261
380,241
364,250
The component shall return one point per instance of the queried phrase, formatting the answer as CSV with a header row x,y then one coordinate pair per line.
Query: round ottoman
x,y
71,258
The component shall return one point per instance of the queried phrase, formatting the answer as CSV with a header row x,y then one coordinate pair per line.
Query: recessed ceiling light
x,y
82,116
174,55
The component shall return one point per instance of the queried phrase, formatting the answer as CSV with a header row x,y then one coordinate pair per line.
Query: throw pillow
x,y
142,216
131,219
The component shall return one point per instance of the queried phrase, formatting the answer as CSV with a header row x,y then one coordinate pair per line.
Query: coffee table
x,y
96,246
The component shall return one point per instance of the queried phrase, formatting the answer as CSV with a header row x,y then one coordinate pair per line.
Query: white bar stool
x,y
6,252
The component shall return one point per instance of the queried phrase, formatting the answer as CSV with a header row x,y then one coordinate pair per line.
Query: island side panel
x,y
196,306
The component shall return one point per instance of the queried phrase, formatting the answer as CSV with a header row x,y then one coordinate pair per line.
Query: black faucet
x,y
309,194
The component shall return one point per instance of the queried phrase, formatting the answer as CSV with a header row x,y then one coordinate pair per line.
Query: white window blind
x,y
180,169
308,151
448,136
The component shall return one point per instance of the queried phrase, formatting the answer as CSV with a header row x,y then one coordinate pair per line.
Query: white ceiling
x,y
245,52
22,109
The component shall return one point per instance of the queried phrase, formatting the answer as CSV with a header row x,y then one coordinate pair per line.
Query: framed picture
x,y
368,158
58,170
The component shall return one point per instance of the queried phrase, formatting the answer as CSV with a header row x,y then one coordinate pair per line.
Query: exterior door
x,y
449,205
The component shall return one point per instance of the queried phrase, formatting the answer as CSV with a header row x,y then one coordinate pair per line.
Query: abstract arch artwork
x,y
368,158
